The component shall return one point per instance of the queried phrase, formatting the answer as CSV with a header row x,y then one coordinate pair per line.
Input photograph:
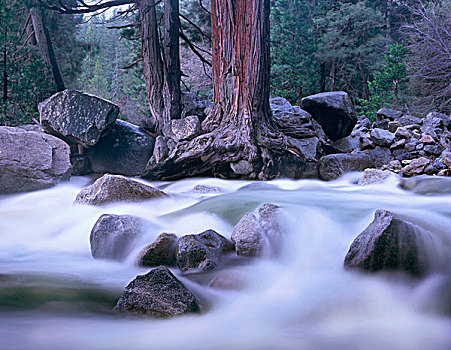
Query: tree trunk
x,y
5,68
333,72
152,61
365,90
322,79
240,138
45,45
172,59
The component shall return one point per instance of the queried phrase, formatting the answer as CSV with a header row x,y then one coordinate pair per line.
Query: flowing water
x,y
53,295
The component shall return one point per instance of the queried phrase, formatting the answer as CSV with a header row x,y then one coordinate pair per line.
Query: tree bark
x,y
5,67
240,130
152,61
333,72
322,80
45,45
172,59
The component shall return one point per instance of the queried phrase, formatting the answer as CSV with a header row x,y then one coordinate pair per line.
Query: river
x,y
54,295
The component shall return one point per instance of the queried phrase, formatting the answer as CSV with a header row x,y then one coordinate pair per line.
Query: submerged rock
x,y
77,116
160,252
157,294
390,243
112,236
202,251
31,161
428,185
115,188
333,111
124,150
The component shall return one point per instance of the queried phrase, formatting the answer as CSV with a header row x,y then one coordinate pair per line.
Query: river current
x,y
54,295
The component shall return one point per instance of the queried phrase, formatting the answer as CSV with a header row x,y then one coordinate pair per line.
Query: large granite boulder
x,y
124,150
157,294
333,111
31,160
112,236
77,117
332,166
201,252
390,243
160,252
115,188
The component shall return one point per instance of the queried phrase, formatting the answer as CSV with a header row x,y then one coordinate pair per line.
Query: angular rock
x,y
243,167
386,113
248,236
77,116
406,120
398,144
364,122
446,157
393,126
291,120
390,243
157,294
380,156
347,144
112,236
416,166
436,119
382,137
201,252
381,124
31,161
435,150
403,132
161,150
160,252
427,139
374,176
80,165
333,111
115,188
332,166
185,128
124,150
308,147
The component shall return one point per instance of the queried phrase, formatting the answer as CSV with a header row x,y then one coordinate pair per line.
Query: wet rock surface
x,y
31,160
112,236
157,294
160,252
124,150
390,243
115,188
332,166
201,252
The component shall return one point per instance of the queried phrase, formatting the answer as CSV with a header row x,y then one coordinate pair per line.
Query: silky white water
x,y
54,295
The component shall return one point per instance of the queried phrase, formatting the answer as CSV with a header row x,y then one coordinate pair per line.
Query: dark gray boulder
x,y
382,137
77,117
387,113
333,111
291,120
201,252
332,166
160,252
390,243
115,188
112,236
124,150
157,294
31,161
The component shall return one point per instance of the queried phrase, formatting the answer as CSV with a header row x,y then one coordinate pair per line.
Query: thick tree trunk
x,y
240,139
152,61
5,67
172,59
45,45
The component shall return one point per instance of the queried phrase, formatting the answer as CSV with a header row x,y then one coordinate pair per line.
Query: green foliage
x,y
293,70
388,87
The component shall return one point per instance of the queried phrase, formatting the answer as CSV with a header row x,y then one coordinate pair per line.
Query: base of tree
x,y
228,154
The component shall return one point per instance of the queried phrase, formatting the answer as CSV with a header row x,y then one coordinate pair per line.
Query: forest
x,y
383,53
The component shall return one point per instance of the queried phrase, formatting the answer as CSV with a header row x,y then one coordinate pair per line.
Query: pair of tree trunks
x,y
161,65
240,128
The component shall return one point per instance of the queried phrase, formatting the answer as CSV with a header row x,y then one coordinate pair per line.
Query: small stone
x,y
427,139
386,113
157,294
115,188
205,189
374,176
446,157
201,252
416,167
398,144
402,132
435,150
185,128
160,252
112,236
393,126
395,165
243,167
